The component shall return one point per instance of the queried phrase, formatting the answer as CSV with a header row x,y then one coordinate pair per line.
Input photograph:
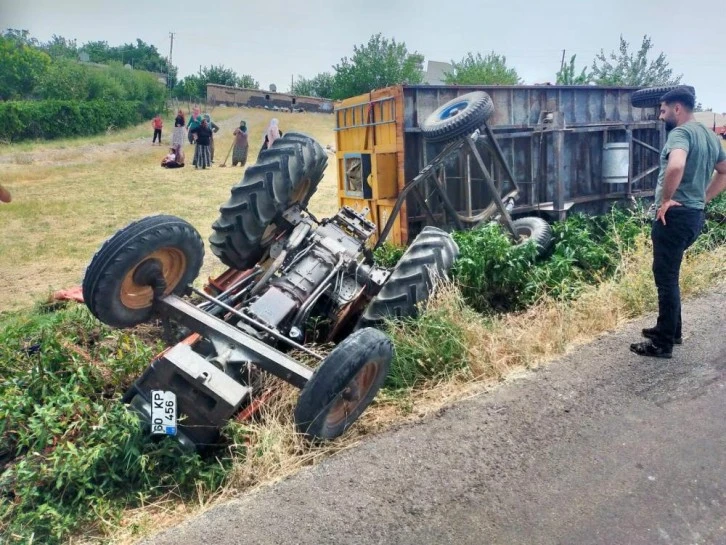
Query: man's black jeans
x,y
670,241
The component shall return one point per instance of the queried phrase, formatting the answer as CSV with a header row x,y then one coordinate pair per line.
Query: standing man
x,y
687,164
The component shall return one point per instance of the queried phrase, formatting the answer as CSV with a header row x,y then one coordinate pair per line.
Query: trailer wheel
x,y
288,173
650,97
344,384
154,256
430,256
534,228
458,117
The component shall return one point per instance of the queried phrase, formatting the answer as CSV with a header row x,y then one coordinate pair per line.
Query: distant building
x,y
436,71
256,98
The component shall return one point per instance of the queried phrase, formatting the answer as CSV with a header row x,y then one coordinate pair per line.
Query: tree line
x,y
61,69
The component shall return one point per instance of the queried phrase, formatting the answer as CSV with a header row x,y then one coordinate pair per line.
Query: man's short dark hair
x,y
682,95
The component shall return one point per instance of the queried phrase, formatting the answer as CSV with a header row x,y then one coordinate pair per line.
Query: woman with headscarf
x,y
177,137
194,122
241,145
203,135
272,133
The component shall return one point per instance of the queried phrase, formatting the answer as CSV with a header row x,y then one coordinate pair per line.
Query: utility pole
x,y
292,82
562,62
168,68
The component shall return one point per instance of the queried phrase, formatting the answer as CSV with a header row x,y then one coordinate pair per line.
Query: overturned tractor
x,y
291,276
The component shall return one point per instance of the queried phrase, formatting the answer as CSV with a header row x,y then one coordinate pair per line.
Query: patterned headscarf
x,y
273,131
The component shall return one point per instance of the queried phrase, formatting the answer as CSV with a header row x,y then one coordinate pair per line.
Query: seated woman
x,y
175,158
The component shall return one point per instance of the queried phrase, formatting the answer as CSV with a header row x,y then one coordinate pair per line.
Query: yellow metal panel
x,y
373,123
385,173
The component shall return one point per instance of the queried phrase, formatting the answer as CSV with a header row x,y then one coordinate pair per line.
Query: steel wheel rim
x,y
173,265
349,400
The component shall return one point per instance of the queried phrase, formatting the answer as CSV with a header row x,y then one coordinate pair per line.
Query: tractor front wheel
x,y
154,256
344,384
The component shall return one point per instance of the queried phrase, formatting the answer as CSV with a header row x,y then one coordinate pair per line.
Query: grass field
x,y
70,195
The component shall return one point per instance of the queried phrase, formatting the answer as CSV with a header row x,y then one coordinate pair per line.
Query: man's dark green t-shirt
x,y
704,151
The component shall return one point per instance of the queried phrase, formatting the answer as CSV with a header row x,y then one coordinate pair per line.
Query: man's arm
x,y
718,182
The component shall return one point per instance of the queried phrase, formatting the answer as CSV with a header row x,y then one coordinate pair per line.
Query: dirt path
x,y
601,447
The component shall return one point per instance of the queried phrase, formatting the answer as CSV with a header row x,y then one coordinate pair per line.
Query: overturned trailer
x,y
549,150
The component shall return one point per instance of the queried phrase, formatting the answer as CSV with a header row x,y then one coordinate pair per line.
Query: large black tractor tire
x,y
458,117
430,257
154,256
285,174
536,229
344,384
650,97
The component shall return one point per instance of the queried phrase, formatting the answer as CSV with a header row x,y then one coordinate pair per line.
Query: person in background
x,y
157,123
195,120
174,159
177,137
272,133
213,126
686,183
241,145
202,135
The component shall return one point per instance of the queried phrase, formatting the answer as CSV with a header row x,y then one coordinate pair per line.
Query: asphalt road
x,y
599,447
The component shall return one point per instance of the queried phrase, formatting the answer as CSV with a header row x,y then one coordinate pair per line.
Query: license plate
x,y
163,412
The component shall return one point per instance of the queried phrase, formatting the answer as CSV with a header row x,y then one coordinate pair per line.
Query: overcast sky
x,y
273,39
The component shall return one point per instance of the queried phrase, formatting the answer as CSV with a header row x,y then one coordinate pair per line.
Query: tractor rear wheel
x,y
154,256
288,173
344,384
430,257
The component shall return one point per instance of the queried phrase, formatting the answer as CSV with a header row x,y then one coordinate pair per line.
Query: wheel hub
x,y
353,394
138,291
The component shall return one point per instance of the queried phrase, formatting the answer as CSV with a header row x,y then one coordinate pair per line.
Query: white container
x,y
615,162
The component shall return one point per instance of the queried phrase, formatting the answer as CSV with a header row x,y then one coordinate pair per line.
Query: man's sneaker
x,y
651,333
647,348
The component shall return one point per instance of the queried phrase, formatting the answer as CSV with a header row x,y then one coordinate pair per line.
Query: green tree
x,y
219,75
60,48
478,70
247,82
379,63
626,68
21,67
567,74
190,86
65,79
322,86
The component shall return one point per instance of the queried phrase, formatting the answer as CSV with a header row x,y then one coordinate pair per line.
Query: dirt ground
x,y
69,196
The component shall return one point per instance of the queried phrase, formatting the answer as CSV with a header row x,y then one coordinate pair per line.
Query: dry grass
x,y
69,196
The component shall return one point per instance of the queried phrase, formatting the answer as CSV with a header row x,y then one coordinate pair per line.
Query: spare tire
x,y
650,96
431,256
536,229
287,173
458,117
